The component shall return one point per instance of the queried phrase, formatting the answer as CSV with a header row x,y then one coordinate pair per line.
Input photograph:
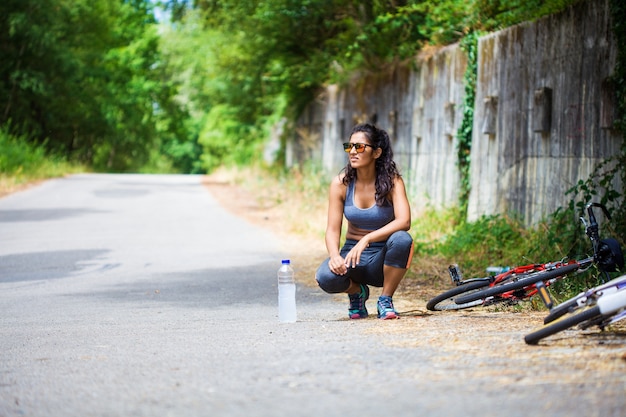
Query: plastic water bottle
x,y
496,270
286,293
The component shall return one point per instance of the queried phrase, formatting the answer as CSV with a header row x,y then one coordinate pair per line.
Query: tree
x,y
86,78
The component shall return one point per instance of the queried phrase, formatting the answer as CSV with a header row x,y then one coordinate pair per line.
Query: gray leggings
x,y
397,252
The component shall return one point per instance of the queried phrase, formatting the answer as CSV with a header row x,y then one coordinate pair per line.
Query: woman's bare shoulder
x,y
337,187
338,180
398,181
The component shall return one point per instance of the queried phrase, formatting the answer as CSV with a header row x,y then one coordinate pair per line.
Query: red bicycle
x,y
449,300
523,282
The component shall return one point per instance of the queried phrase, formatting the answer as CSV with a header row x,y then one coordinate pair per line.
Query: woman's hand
x,y
354,256
337,265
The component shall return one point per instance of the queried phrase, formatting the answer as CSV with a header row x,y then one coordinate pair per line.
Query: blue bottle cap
x,y
286,262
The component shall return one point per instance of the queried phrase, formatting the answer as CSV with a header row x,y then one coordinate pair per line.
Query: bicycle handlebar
x,y
592,228
602,206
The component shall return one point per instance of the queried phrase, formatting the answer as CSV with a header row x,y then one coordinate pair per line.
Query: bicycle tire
x,y
560,310
520,283
579,316
596,321
445,300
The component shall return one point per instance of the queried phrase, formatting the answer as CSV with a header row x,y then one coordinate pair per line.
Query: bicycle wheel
x,y
520,283
445,300
564,323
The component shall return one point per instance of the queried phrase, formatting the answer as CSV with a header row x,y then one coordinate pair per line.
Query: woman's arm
x,y
337,195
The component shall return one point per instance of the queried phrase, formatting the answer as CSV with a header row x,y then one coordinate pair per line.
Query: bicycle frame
x,y
523,282
598,306
592,295
540,286
510,274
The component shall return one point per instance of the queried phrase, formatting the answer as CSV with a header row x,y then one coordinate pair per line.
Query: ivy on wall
x,y
469,44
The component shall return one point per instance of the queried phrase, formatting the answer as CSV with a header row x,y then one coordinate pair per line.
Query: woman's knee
x,y
401,239
329,281
399,250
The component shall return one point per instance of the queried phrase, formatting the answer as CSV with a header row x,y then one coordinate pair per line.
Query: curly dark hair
x,y
386,170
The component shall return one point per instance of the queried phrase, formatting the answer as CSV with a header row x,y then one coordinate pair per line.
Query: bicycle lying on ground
x,y
448,299
598,306
523,282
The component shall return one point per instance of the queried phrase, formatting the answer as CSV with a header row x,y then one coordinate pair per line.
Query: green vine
x,y
469,44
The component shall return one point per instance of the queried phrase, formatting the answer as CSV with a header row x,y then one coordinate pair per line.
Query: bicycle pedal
x,y
455,274
544,294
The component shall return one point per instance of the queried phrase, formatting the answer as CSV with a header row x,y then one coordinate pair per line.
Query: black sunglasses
x,y
360,147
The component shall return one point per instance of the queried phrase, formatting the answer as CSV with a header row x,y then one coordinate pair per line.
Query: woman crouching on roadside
x,y
377,252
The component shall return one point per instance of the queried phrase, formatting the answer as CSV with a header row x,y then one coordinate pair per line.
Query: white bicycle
x,y
598,306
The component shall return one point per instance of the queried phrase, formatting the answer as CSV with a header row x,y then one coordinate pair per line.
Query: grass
x,y
22,163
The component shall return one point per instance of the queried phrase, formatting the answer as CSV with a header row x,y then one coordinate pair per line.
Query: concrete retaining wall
x,y
537,122
543,116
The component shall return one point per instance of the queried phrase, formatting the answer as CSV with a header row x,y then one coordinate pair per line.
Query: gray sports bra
x,y
372,218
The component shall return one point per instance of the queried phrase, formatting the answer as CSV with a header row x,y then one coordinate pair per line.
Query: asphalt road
x,y
133,295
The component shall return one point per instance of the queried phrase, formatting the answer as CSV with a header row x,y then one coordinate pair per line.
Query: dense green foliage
x,y
261,61
85,79
105,84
